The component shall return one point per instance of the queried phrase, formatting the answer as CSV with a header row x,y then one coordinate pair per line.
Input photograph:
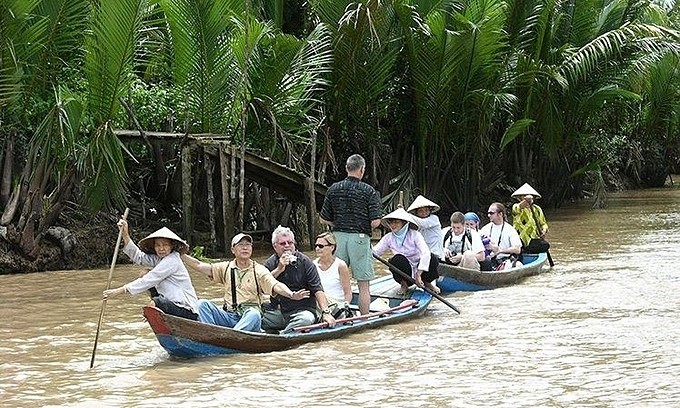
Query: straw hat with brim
x,y
146,244
400,214
420,202
526,189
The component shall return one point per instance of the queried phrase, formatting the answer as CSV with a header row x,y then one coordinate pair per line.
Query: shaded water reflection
x,y
600,329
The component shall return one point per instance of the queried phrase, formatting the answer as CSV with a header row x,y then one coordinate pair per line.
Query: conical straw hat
x,y
420,202
146,244
526,189
400,214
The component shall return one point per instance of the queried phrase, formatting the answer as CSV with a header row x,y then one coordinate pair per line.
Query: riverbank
x,y
87,242
92,240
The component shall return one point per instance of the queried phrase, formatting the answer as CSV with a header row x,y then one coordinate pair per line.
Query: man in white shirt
x,y
504,238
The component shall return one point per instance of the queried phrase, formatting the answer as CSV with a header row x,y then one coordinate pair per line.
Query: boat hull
x,y
457,279
187,338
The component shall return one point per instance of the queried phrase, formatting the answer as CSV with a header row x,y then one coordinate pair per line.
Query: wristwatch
x,y
326,311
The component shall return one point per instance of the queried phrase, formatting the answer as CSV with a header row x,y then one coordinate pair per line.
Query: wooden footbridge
x,y
218,152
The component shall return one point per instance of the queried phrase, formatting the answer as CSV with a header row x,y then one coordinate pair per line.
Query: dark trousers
x,y
401,263
171,308
536,246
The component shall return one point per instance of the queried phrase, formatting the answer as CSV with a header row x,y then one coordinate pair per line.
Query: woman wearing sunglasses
x,y
334,275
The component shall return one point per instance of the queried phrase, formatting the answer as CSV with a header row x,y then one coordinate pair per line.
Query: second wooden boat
x,y
457,279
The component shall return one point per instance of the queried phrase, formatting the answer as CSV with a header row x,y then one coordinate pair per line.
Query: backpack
x,y
467,235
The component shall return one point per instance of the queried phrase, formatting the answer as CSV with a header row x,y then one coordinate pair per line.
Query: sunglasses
x,y
492,212
322,245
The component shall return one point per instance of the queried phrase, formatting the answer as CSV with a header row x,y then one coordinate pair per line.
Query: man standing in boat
x,y
245,281
298,272
352,209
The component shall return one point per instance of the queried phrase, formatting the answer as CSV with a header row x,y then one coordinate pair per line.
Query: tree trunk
x,y
8,161
187,200
227,201
208,166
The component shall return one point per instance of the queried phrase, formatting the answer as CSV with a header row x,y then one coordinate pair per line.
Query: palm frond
x,y
634,37
110,51
21,36
201,32
66,24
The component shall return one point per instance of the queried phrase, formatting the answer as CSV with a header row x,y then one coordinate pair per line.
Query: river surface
x,y
598,330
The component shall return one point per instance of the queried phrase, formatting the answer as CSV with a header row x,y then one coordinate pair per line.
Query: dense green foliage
x,y
459,100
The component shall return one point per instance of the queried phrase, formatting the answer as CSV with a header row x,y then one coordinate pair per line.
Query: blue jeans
x,y
274,320
250,320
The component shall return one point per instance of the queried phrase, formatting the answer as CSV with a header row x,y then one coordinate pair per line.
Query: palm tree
x,y
570,63
67,151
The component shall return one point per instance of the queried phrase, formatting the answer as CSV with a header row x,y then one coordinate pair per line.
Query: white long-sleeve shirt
x,y
431,229
169,276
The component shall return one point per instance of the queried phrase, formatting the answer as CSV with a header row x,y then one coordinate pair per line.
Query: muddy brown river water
x,y
598,330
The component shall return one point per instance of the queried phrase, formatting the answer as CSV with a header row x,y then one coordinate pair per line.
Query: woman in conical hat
x,y
428,224
529,220
179,245
411,254
160,250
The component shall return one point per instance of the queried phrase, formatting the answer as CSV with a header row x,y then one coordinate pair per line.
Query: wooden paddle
x,y
412,281
550,261
108,285
407,304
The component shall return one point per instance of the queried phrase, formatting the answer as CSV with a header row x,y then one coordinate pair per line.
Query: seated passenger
x,y
245,282
504,238
472,222
428,224
334,275
462,246
298,272
411,253
174,292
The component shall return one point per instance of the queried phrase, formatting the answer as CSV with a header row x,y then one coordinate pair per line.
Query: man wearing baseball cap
x,y
245,281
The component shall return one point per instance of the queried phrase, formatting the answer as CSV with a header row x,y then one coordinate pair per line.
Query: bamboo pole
x,y
108,285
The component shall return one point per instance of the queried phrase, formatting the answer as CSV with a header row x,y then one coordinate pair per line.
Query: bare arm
x,y
343,270
375,223
197,265
322,301
284,291
111,293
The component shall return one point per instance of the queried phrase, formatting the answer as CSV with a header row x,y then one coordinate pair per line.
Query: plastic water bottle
x,y
487,245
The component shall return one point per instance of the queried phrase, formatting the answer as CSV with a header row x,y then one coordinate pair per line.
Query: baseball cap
x,y
238,237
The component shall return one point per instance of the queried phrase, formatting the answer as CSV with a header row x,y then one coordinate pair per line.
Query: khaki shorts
x,y
355,249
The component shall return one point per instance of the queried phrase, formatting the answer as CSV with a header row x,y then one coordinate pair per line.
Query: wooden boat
x,y
457,279
187,338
